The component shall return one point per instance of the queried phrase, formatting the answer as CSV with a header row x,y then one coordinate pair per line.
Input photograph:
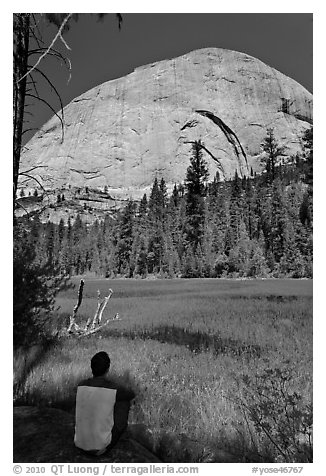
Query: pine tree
x,y
157,201
164,194
217,216
189,264
308,150
306,210
257,265
272,153
249,209
61,230
174,199
174,232
196,177
239,255
236,210
67,250
156,217
292,263
125,239
141,258
49,241
279,220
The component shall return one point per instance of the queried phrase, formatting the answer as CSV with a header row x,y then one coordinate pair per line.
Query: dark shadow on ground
x,y
195,341
270,298
45,435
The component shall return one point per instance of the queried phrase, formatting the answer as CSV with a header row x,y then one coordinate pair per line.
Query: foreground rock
x,y
45,435
121,134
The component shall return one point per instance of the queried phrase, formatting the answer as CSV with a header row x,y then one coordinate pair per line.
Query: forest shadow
x,y
195,341
269,298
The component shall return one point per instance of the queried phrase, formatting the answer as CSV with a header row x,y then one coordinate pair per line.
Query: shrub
x,y
279,414
34,288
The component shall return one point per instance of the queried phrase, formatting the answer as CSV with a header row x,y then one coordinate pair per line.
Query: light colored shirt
x,y
94,417
101,407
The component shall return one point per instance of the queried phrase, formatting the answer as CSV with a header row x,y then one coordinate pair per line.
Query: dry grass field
x,y
217,365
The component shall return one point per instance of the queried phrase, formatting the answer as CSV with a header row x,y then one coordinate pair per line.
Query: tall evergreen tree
x,y
272,155
125,240
308,149
174,199
156,216
236,210
278,221
196,178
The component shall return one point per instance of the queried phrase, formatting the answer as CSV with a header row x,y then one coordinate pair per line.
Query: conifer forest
x,y
256,226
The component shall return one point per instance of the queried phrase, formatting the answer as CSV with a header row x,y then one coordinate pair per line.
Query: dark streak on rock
x,y
226,79
227,131
303,118
192,123
82,99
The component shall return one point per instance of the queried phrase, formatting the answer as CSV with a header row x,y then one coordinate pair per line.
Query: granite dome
x,y
123,133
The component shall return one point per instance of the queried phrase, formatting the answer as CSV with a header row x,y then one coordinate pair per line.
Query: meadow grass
x,y
187,348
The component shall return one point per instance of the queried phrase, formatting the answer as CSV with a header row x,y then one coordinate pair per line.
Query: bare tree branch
x,y
96,324
96,329
99,311
58,35
55,113
72,323
53,87
20,205
33,168
38,39
32,178
29,130
35,88
52,52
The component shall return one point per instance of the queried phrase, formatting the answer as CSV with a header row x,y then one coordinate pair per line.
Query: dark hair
x,y
100,363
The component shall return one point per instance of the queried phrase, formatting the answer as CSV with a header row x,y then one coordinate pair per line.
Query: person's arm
x,y
124,394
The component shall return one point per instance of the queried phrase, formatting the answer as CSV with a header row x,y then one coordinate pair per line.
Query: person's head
x,y
100,364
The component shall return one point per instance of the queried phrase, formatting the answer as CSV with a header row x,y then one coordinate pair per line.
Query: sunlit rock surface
x,y
125,132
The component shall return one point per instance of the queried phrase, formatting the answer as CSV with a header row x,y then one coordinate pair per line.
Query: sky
x,y
99,51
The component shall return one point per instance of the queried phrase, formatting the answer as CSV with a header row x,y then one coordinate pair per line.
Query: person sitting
x,y
102,409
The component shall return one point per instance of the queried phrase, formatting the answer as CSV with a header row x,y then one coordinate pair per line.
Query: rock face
x,y
46,435
123,133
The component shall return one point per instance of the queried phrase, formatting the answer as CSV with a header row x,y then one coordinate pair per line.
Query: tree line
x,y
255,226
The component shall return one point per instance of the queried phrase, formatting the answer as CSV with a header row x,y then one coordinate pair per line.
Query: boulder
x,y
46,435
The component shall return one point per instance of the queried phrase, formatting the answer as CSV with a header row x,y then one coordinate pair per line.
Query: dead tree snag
x,y
92,325
72,324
